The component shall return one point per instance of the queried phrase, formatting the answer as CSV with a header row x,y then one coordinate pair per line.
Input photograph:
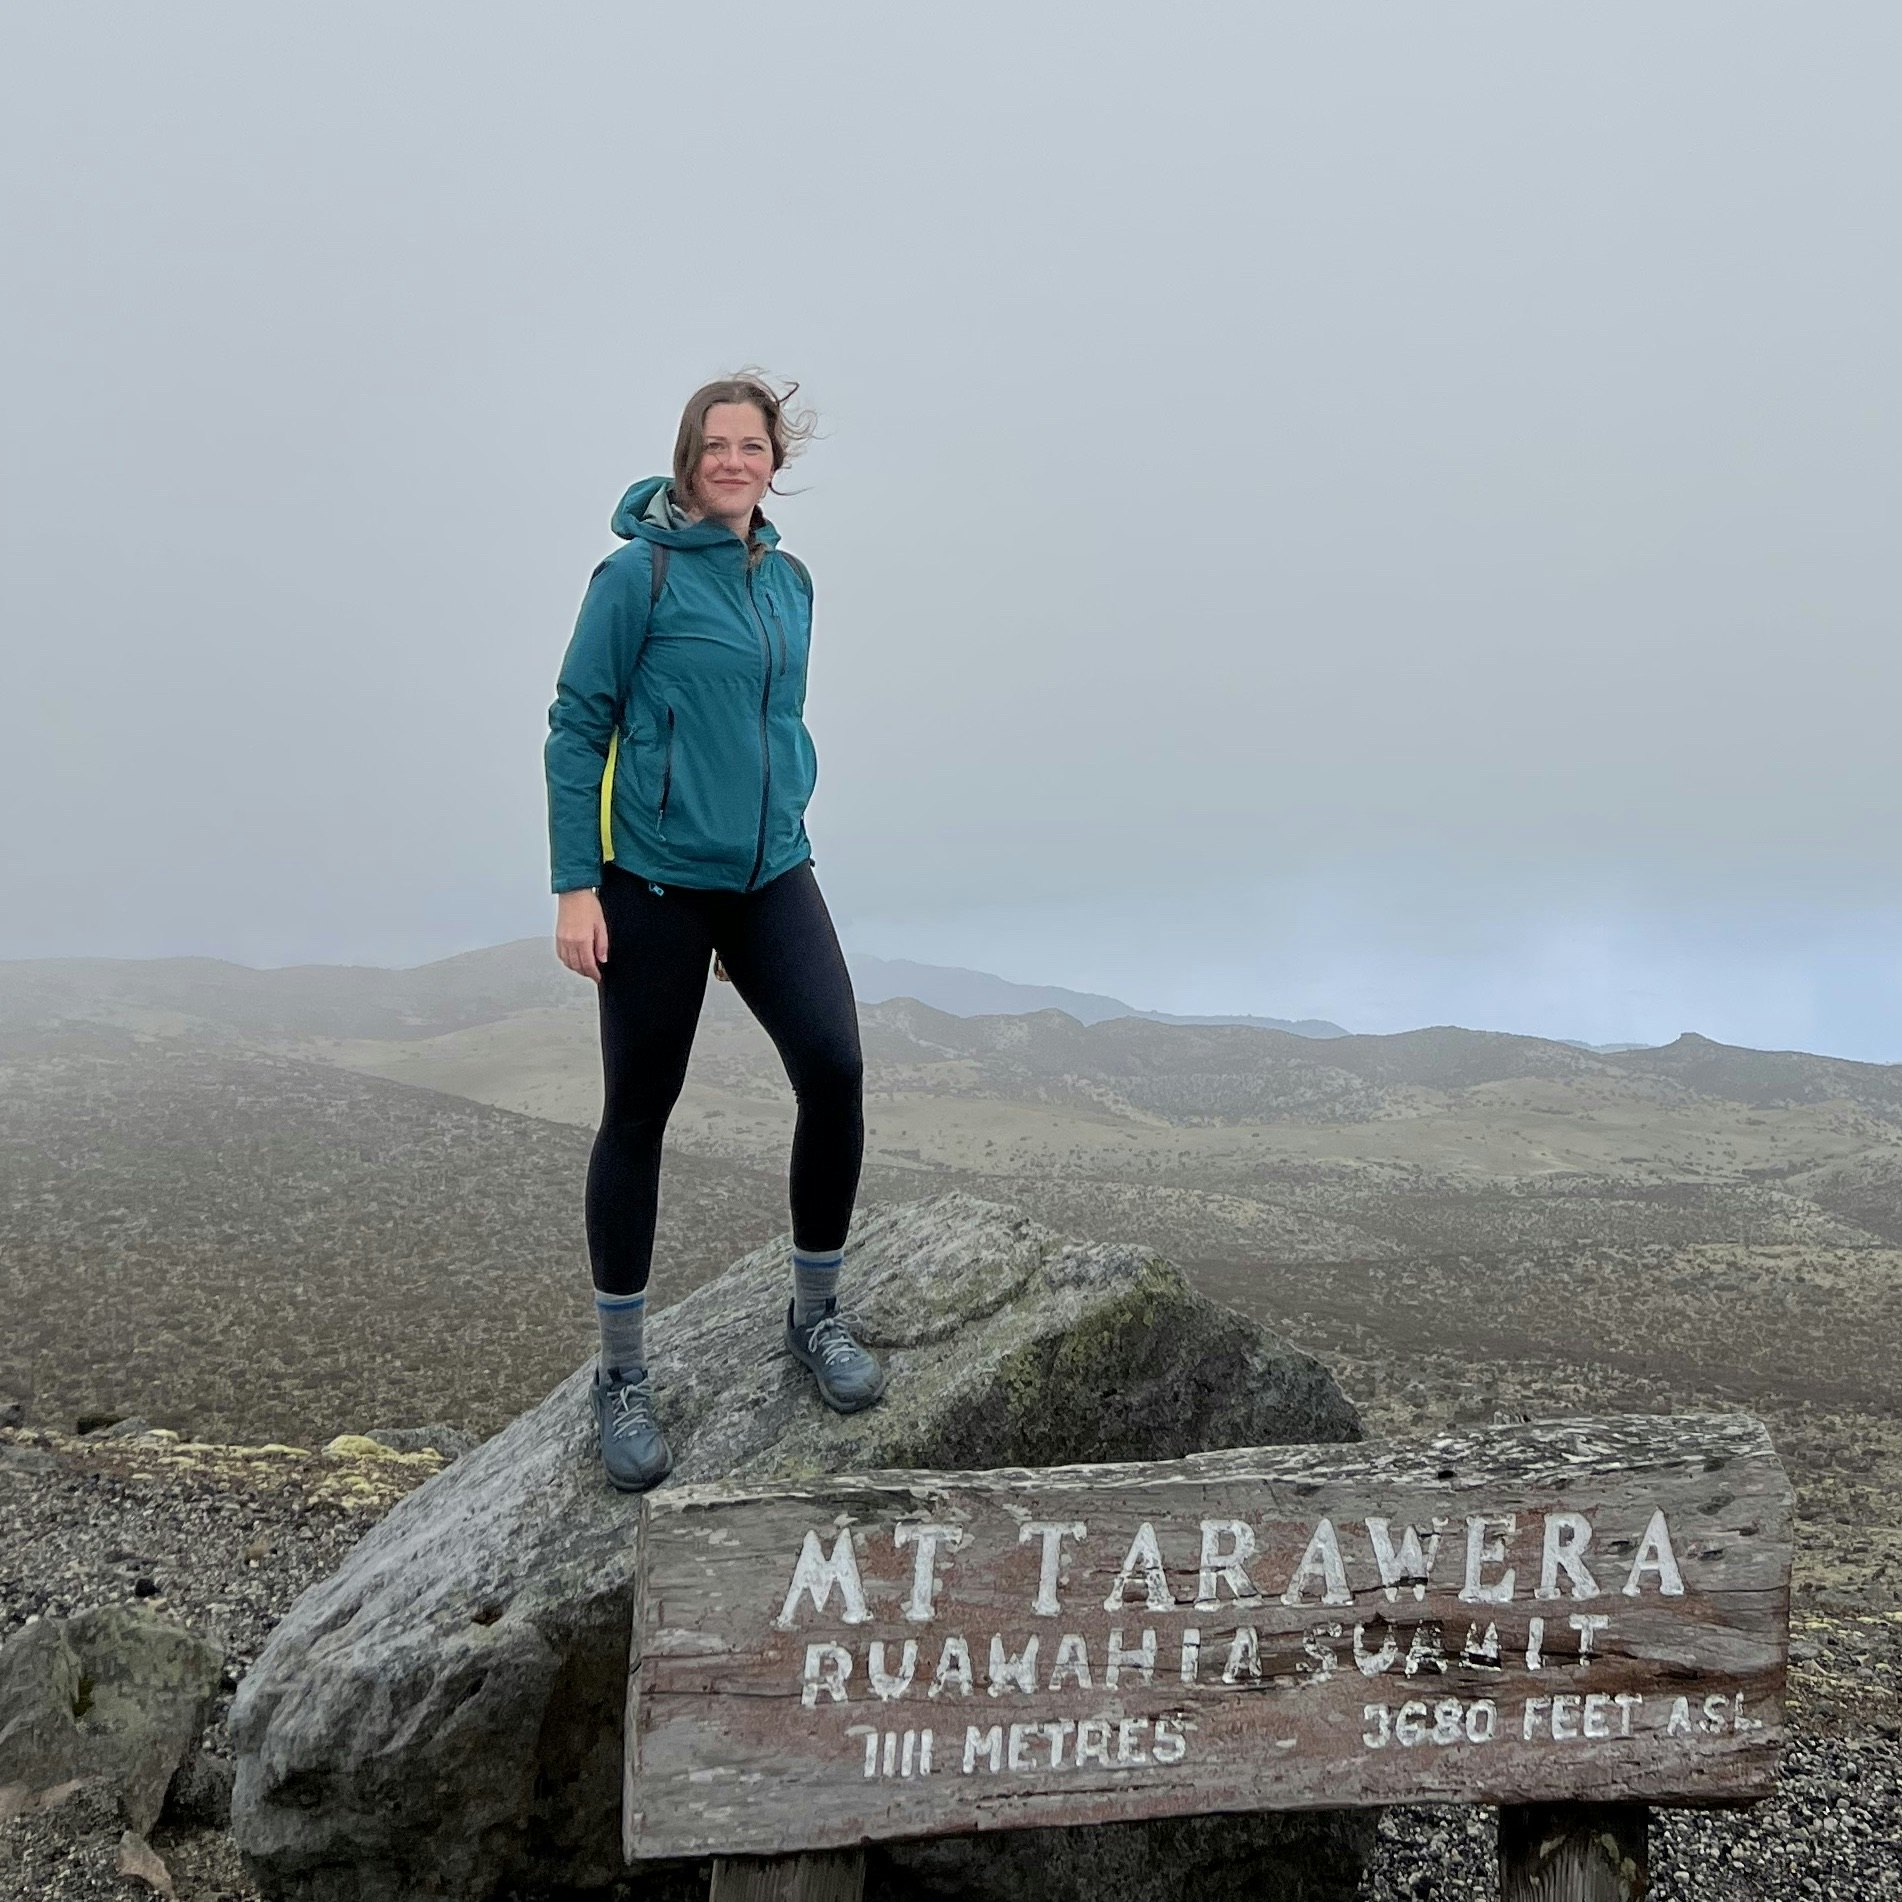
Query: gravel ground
x,y
225,1538
1834,1830
222,1538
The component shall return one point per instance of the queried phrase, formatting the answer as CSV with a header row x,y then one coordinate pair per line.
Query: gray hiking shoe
x,y
849,1378
633,1448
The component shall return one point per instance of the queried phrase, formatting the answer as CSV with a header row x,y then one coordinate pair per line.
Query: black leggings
x,y
779,948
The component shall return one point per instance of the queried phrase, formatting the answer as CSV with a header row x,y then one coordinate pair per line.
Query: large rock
x,y
116,1695
443,1715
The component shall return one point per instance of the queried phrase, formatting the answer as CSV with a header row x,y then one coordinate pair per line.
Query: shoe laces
x,y
827,1337
630,1408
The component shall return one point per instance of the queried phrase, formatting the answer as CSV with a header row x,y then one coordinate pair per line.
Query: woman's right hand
x,y
581,933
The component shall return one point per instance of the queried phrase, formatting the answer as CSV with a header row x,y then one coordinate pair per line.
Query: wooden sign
x,y
1590,1610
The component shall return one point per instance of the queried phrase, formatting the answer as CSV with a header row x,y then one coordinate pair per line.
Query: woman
x,y
679,767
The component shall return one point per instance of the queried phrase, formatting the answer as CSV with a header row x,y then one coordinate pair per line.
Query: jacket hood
x,y
648,510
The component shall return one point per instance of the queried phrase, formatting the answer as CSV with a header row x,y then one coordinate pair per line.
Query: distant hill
x,y
963,993
477,987
254,1247
296,1000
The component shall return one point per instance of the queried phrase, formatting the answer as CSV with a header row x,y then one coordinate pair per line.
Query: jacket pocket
x,y
666,774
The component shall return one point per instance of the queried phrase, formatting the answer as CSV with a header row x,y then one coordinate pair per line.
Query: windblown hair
x,y
788,429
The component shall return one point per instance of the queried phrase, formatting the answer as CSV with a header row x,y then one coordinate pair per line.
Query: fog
x,y
1385,514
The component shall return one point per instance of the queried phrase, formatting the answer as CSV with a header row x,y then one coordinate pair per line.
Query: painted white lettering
x,y
924,1568
954,1668
1020,1736
1322,1563
1191,1652
1425,1649
1716,1712
1738,1720
1146,1559
1129,1748
816,1574
1627,1702
1568,1535
1318,1646
1057,1733
827,1668
1013,1673
1481,1652
1535,1644
1073,1661
1227,1546
988,1743
1167,1743
887,1685
1244,1656
1482,1549
1597,1721
1564,1717
1655,1555
1410,1564
870,1733
1092,1742
1372,1663
1679,1722
1052,1532
1443,1722
1588,1624
1534,1712
1143,1657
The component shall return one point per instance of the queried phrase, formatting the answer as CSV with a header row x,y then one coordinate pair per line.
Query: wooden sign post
x,y
1587,1612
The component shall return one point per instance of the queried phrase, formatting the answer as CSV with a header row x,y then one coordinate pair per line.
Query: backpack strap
x,y
656,578
800,569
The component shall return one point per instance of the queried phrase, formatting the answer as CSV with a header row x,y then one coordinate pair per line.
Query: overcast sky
x,y
1386,512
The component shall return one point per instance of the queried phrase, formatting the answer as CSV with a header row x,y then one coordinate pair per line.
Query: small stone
x,y
201,1792
114,1694
140,1862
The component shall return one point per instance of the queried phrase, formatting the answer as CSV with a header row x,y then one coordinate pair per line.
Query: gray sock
x,y
622,1350
815,1280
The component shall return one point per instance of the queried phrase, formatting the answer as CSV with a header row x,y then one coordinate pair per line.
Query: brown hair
x,y
788,429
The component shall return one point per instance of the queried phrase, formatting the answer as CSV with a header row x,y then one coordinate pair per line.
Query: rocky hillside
x,y
246,1247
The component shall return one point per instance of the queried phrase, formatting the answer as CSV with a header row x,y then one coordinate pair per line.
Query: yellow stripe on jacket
x,y
607,800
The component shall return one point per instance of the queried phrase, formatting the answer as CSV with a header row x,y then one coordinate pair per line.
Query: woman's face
x,y
736,465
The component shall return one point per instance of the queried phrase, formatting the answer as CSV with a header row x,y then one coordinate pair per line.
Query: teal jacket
x,y
677,743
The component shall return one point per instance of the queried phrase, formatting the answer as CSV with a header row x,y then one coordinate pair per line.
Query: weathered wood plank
x,y
1574,1852
827,1876
1587,1610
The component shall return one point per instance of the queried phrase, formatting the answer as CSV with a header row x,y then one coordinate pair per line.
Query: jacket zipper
x,y
765,755
667,774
